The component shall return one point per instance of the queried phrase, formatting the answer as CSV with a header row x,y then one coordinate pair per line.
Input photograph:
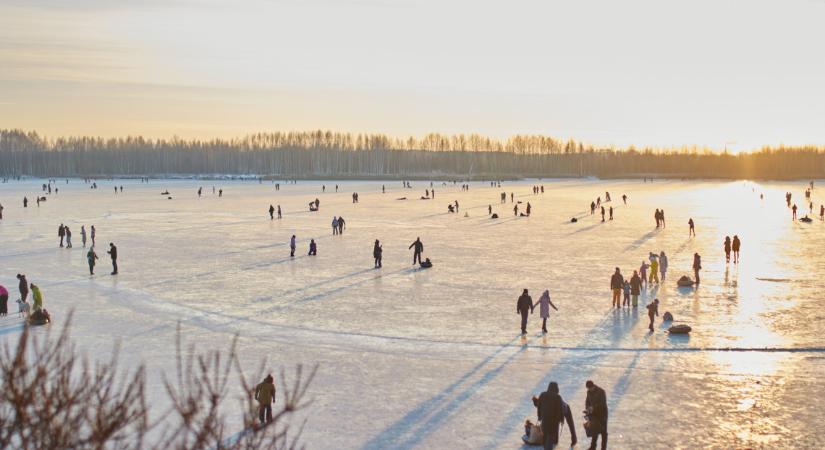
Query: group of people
x,y
525,307
552,411
632,288
659,215
64,232
338,224
272,212
734,246
24,287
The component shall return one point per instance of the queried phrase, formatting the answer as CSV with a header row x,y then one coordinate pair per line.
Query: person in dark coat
x,y
596,406
313,247
418,248
635,288
727,249
736,245
377,252
61,232
23,286
652,312
551,414
524,306
271,212
113,253
616,285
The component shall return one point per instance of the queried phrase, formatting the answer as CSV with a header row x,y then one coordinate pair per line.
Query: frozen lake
x,y
434,358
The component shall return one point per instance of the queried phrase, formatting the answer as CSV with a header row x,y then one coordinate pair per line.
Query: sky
x,y
711,73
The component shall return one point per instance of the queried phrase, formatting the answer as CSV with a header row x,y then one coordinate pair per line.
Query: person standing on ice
x,y
654,268
25,202
92,235
691,229
265,395
515,210
271,212
544,303
662,218
727,249
313,247
626,292
737,244
528,210
334,225
1,211
91,257
643,272
418,248
524,306
377,251
4,301
652,311
794,211
489,209
279,211
624,198
697,266
663,264
596,406
616,283
551,414
23,287
68,237
113,254
292,246
592,208
635,288
341,224
83,235
61,232
656,216
602,213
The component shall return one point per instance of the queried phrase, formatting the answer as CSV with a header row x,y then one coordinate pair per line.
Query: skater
x,y
113,254
68,237
334,225
377,251
596,406
697,266
61,232
265,395
4,301
91,256
727,249
691,230
635,288
292,246
663,264
313,248
83,235
92,235
271,212
341,225
417,247
616,283
652,311
736,245
279,211
626,292
23,287
524,306
544,303
551,414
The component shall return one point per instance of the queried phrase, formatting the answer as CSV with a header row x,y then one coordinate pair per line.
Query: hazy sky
x,y
656,72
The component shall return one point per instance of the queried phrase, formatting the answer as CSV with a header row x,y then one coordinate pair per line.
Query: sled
x,y
806,219
39,318
685,282
679,329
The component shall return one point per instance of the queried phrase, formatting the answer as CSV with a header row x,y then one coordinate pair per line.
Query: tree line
x,y
327,154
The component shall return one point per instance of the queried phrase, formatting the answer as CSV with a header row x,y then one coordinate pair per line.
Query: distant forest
x,y
326,154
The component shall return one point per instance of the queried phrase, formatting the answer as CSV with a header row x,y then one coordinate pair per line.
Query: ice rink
x,y
412,358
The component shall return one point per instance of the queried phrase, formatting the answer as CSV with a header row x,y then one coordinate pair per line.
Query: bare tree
x,y
55,398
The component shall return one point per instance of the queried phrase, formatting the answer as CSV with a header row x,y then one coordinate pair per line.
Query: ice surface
x,y
432,359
